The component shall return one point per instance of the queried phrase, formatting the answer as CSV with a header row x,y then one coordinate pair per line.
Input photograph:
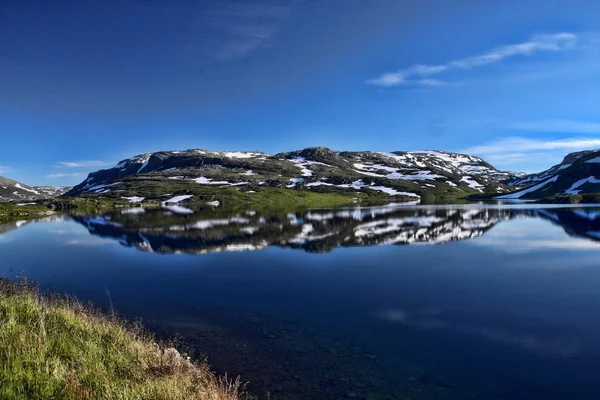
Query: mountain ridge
x,y
578,173
11,190
413,175
418,174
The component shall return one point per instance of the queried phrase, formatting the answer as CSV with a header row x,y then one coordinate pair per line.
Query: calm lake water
x,y
395,302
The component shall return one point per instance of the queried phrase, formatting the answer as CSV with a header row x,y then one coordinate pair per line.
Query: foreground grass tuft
x,y
52,347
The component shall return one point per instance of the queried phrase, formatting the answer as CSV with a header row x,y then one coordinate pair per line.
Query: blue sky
x,y
86,84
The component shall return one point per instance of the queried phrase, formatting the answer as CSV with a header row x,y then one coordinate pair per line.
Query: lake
x,y
393,302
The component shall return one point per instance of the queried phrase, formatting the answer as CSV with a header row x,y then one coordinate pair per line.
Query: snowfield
x,y
573,188
518,195
177,199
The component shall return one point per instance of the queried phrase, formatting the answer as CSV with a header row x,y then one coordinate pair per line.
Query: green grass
x,y
157,188
11,211
263,198
584,198
53,347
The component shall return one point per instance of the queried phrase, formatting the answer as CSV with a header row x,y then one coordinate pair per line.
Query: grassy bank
x,y
251,196
12,211
586,198
52,347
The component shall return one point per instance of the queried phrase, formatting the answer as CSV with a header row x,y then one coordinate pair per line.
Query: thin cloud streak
x,y
557,126
552,42
4,169
529,155
63,175
244,28
83,164
520,144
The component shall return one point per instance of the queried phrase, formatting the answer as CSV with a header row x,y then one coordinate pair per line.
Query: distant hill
x,y
411,175
578,173
11,190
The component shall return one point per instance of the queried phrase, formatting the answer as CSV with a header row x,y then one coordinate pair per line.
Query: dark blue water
x,y
384,303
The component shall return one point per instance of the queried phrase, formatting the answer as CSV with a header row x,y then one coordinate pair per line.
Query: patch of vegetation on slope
x,y
578,173
585,198
156,189
12,211
53,347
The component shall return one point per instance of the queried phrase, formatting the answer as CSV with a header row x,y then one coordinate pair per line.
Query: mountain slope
x,y
407,174
578,173
52,191
11,190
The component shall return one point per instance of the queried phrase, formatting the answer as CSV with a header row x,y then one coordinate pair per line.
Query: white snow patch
x,y
472,183
177,199
27,190
240,154
144,160
589,179
392,192
593,160
134,199
565,166
208,181
518,195
319,184
303,164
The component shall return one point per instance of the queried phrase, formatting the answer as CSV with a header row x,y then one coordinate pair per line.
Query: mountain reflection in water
x,y
506,309
320,231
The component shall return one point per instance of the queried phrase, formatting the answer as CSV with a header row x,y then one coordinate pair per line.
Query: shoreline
x,y
53,346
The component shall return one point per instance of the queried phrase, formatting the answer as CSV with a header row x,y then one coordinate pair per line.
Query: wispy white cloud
x,y
4,169
557,126
242,28
63,175
529,155
522,145
83,164
435,82
417,74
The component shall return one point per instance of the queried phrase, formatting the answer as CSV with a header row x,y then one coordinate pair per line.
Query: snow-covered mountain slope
x,y
11,190
408,174
578,173
14,191
52,191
